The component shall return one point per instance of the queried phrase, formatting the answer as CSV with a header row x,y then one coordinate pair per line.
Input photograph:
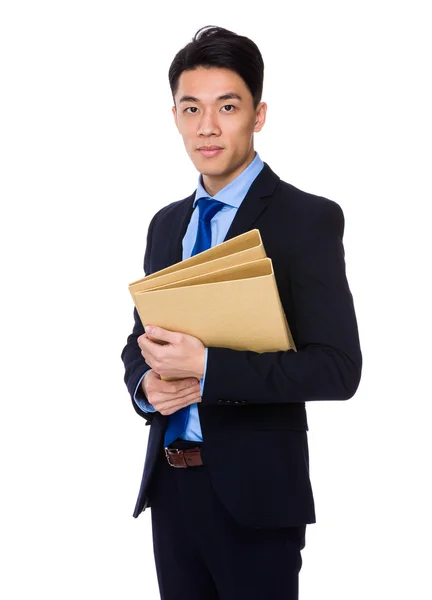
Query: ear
x,y
260,118
174,112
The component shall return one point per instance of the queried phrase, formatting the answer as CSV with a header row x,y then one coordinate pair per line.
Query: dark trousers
x,y
203,553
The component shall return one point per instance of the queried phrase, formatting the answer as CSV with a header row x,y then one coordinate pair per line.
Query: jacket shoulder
x,y
308,210
306,201
173,207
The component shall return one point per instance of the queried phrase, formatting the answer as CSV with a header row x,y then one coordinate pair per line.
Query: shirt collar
x,y
233,193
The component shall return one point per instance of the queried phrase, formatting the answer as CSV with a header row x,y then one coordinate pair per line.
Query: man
x,y
227,469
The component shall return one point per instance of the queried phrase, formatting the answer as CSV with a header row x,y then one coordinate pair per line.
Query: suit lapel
x,y
182,219
254,204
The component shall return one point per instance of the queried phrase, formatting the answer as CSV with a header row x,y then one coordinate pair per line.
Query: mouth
x,y
209,151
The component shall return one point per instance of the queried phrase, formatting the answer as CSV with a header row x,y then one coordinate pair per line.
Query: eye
x,y
191,108
229,106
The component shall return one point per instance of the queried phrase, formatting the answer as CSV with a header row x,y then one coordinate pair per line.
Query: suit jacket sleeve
x,y
327,365
135,365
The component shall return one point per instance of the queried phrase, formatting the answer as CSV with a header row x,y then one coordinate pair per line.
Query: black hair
x,y
214,46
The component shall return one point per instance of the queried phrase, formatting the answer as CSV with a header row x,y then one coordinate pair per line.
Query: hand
x,y
170,396
181,356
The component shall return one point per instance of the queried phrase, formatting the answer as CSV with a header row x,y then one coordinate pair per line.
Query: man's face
x,y
214,110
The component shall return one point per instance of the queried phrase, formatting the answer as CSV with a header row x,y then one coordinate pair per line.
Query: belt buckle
x,y
169,451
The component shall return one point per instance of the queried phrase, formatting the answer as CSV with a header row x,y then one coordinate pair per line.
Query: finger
x,y
167,395
171,406
189,391
144,342
173,409
159,333
184,385
147,357
176,386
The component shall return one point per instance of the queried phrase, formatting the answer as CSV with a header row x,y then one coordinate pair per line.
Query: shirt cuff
x,y
140,399
202,381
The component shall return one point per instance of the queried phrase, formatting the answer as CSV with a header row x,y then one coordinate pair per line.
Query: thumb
x,y
159,333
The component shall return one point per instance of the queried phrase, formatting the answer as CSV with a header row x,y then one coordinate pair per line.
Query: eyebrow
x,y
228,96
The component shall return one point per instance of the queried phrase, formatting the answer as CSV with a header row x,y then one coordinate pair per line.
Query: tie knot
x,y
208,208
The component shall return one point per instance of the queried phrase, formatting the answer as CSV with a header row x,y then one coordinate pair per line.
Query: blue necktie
x,y
207,210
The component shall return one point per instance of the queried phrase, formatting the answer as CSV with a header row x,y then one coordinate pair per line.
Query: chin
x,y
212,172
211,168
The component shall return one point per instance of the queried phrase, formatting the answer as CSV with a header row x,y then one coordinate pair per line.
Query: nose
x,y
208,124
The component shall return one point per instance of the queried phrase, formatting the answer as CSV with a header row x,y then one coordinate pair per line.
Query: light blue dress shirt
x,y
232,195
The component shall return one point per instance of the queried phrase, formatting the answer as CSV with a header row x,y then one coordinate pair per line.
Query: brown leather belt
x,y
182,458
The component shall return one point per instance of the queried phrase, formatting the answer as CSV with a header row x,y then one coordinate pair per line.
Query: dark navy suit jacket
x,y
252,413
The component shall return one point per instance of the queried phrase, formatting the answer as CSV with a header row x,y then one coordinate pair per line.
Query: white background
x,y
89,153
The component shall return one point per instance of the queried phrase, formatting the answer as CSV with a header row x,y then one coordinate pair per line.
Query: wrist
x,y
143,382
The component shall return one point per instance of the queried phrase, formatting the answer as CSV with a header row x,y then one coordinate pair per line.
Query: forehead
x,y
209,83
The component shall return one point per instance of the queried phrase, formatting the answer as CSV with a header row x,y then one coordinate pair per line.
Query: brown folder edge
x,y
189,261
259,263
